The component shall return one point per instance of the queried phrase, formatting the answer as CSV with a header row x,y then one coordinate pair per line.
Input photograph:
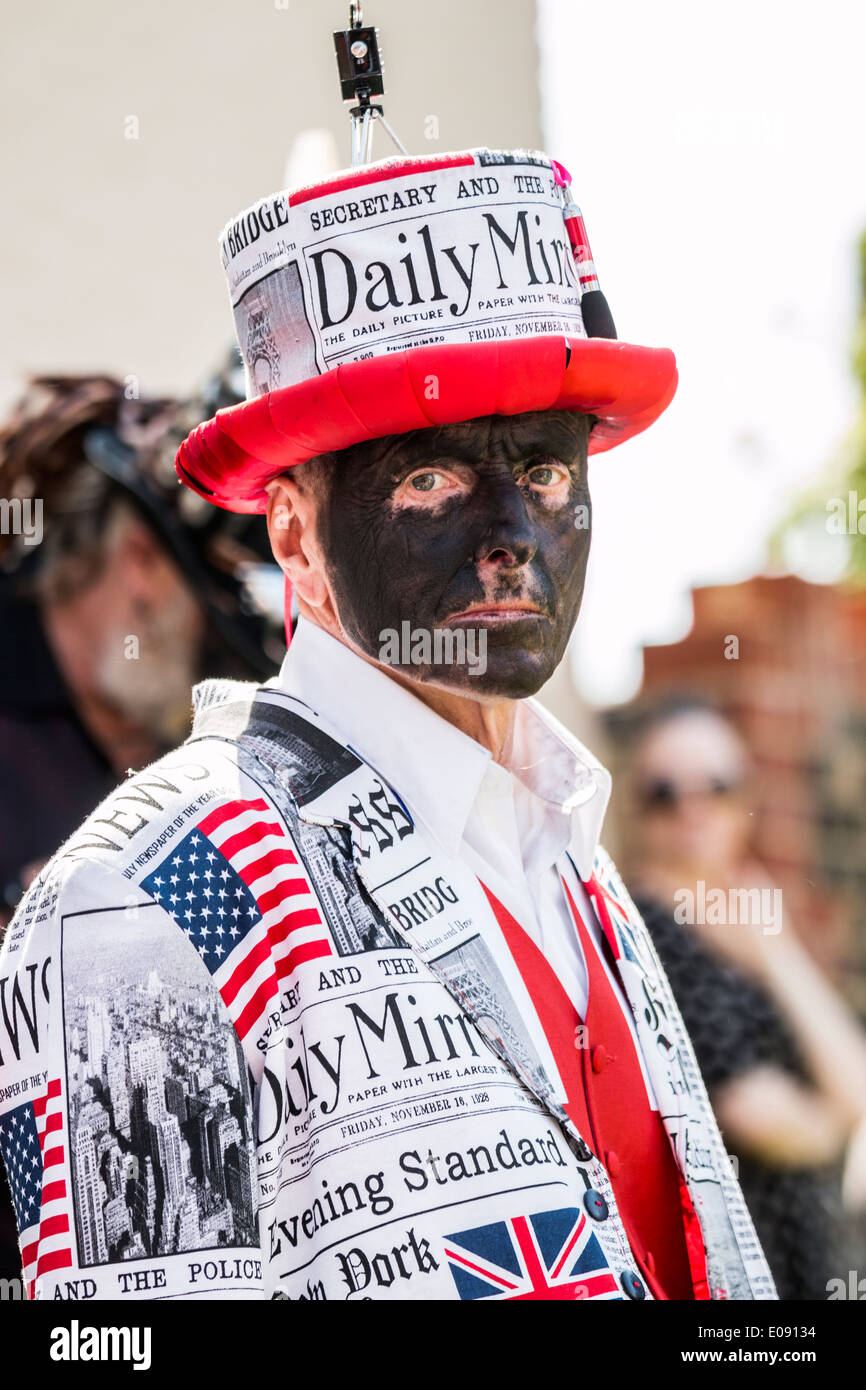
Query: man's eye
x,y
542,475
439,485
545,474
424,482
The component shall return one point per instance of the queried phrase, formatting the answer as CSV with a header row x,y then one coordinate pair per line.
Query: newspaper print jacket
x,y
260,1038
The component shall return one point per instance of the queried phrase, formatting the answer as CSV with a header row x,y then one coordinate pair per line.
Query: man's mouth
x,y
503,612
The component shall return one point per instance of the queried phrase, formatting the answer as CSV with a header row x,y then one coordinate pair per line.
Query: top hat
x,y
410,293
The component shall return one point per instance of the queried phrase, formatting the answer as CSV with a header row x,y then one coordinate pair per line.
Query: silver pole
x,y
393,134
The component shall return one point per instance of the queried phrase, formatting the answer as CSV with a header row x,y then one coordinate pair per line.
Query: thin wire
x,y
362,136
394,136
368,133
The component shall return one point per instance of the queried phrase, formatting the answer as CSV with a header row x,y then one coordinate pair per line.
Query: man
x,y
341,999
118,595
115,593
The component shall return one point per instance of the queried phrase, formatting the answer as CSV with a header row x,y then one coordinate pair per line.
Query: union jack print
x,y
614,917
552,1255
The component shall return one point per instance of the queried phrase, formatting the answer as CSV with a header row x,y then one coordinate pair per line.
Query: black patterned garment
x,y
734,1027
52,773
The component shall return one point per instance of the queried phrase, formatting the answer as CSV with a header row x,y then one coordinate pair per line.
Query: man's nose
x,y
509,538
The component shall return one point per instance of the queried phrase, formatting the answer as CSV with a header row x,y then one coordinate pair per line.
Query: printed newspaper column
x,y
439,255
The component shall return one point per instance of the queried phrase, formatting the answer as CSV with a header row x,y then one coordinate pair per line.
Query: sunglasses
x,y
663,794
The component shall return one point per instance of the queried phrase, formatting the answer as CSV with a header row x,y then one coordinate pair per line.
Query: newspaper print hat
x,y
405,294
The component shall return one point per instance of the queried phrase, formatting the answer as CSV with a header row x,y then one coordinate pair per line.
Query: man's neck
x,y
490,723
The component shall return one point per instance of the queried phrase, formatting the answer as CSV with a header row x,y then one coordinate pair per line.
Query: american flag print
x,y
552,1255
235,886
32,1145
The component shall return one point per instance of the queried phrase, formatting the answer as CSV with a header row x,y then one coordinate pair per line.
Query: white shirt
x,y
512,826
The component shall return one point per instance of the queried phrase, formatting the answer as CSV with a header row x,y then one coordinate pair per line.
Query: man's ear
x,y
292,530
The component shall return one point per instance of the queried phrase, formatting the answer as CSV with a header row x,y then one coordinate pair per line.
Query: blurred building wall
x,y
110,243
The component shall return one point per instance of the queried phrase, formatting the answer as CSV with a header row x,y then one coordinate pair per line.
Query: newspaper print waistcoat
x,y
285,1053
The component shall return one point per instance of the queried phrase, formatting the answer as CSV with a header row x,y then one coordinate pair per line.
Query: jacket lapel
x,y
737,1267
657,1026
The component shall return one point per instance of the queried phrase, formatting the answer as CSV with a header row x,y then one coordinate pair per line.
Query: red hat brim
x,y
231,458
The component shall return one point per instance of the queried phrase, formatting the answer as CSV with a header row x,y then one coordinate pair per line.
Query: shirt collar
x,y
434,767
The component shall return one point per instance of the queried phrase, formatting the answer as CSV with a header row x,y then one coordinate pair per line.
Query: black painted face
x,y
457,555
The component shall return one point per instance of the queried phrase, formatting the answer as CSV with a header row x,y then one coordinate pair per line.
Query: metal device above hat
x,y
362,77
407,293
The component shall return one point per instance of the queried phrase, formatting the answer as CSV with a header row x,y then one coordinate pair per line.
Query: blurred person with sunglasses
x,y
782,1057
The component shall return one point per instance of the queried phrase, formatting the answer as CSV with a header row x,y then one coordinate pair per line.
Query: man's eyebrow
x,y
538,438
